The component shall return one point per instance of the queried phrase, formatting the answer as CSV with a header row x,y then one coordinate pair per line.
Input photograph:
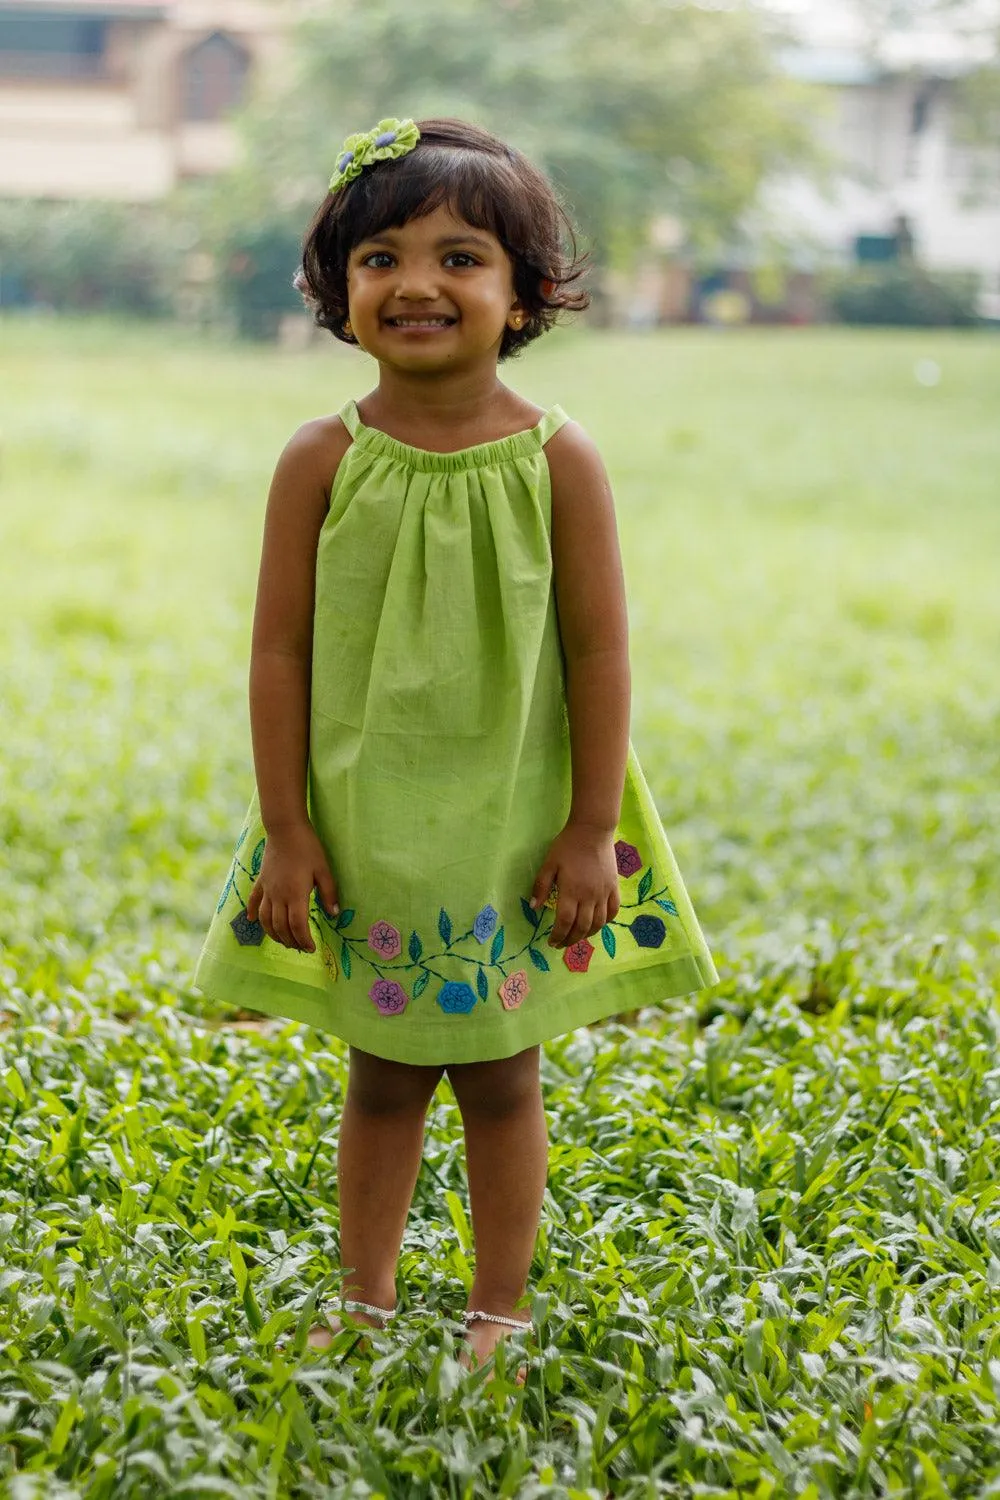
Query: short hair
x,y
490,185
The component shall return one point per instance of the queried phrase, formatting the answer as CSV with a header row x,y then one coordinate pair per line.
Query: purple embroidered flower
x,y
578,955
388,996
456,998
385,939
484,926
628,858
248,934
648,932
514,989
385,139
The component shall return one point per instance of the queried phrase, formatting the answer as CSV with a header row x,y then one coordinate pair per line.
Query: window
x,y
213,78
53,44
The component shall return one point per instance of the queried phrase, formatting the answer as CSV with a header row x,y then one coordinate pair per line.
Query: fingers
x,y
298,925
285,922
253,902
544,881
576,920
327,887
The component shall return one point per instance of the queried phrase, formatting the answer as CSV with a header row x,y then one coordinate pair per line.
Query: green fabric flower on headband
x,y
389,138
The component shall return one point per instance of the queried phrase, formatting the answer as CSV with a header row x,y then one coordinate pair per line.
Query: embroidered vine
x,y
399,978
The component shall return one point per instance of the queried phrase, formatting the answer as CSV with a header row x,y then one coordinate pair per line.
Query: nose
x,y
417,282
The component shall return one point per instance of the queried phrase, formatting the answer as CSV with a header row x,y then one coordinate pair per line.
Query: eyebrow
x,y
388,238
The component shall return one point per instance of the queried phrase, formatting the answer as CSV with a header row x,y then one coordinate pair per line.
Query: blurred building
x,y
121,99
906,183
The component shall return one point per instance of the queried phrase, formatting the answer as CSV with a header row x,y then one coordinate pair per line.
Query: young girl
x,y
451,854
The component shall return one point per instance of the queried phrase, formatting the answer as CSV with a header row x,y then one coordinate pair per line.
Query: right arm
x,y
280,664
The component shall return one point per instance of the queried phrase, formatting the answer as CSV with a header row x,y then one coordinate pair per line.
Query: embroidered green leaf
x,y
258,856
345,919
646,884
444,927
534,917
539,960
225,893
608,939
497,948
421,984
416,947
481,985
345,958
667,906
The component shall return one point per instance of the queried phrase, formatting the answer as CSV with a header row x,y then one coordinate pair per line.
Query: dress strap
x,y
550,424
348,414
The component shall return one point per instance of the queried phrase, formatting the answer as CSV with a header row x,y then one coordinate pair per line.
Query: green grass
x,y
770,1256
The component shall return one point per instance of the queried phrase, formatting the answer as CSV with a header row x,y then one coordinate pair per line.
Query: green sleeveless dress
x,y
439,773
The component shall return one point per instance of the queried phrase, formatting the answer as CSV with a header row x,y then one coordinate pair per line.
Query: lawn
x,y
769,1262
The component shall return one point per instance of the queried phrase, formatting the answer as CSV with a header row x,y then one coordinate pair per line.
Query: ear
x,y
517,317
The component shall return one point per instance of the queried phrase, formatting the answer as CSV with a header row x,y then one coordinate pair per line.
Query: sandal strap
x,y
471,1316
384,1313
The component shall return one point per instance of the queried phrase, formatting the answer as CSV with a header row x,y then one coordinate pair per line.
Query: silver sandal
x,y
472,1315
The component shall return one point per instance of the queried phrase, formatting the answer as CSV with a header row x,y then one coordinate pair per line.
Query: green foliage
x,y
257,264
769,1261
678,108
89,256
904,296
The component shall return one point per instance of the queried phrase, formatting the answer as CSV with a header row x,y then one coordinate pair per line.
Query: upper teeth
x,y
420,322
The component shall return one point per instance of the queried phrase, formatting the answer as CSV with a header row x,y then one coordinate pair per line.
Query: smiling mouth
x,y
420,322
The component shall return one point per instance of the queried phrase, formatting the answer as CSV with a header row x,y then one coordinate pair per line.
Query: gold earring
x,y
518,320
348,329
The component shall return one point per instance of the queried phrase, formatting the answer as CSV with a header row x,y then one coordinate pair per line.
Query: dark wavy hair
x,y
483,181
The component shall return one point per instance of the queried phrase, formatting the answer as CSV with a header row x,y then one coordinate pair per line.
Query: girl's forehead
x,y
441,223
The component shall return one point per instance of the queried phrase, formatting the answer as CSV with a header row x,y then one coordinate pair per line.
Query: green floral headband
x,y
389,138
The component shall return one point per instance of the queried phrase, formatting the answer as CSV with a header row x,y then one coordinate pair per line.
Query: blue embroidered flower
x,y
248,934
485,924
648,932
456,998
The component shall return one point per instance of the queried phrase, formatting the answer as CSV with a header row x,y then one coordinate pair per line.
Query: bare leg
x,y
506,1145
378,1159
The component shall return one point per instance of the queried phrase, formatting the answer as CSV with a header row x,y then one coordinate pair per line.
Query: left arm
x,y
593,624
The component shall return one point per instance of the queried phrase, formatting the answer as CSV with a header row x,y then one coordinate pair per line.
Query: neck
x,y
435,401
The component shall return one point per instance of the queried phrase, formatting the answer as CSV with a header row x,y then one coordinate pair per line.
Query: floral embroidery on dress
x,y
456,998
401,978
514,989
578,955
388,996
384,938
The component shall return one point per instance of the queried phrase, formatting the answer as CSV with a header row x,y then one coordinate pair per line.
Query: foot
x,y
480,1340
322,1335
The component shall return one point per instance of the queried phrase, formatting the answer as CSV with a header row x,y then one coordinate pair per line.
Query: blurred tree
x,y
646,108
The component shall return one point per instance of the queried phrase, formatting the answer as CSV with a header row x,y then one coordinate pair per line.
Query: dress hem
x,y
514,1031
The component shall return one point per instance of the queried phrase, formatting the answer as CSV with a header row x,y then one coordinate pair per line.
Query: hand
x,y
581,862
294,862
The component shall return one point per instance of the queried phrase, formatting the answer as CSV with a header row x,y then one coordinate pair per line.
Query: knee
x,y
499,1089
377,1086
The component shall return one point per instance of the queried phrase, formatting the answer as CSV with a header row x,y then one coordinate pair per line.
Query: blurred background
x,y
727,162
791,367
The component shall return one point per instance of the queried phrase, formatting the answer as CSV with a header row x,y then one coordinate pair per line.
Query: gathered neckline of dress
x,y
480,455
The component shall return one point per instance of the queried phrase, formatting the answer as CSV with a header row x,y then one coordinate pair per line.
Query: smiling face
x,y
434,293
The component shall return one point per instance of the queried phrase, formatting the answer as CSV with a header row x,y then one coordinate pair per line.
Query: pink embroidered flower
x,y
385,940
578,955
628,858
514,989
388,996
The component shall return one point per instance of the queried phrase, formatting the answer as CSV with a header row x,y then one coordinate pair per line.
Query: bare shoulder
x,y
578,477
314,452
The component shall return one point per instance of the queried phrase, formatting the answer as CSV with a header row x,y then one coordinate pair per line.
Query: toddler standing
x,y
451,854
